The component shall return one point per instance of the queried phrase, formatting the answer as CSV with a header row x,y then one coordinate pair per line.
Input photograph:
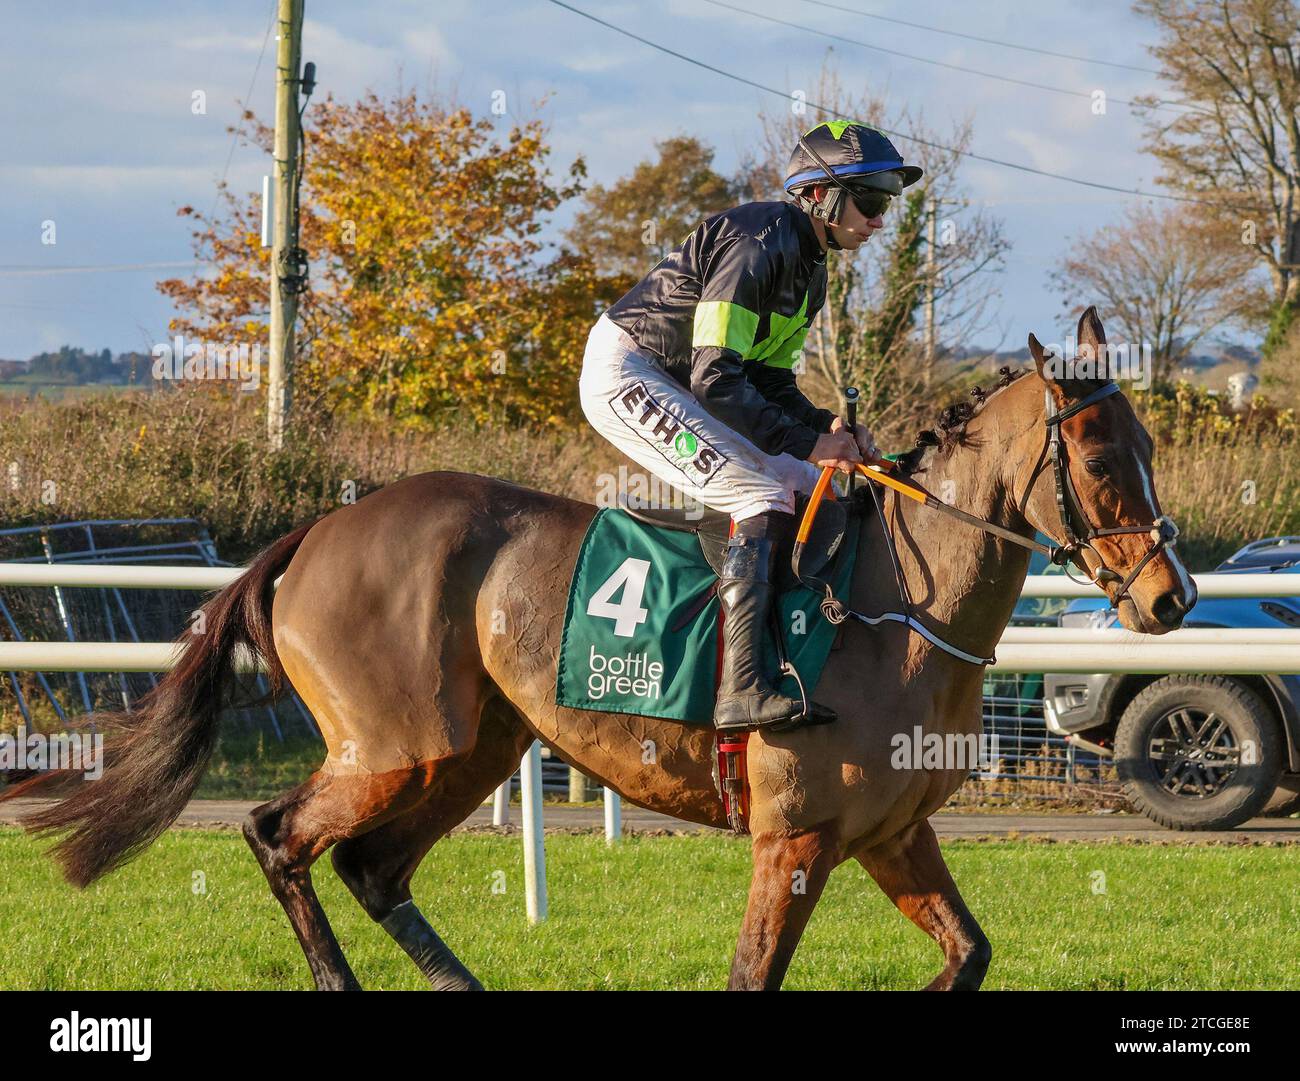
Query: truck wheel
x,y
1198,752
1285,799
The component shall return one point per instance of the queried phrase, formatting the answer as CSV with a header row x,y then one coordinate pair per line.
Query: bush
x,y
1223,492
198,452
202,453
1183,414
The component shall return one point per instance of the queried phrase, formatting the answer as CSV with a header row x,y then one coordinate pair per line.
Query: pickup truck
x,y
1195,752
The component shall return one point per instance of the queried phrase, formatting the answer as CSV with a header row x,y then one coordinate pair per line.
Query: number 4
x,y
627,614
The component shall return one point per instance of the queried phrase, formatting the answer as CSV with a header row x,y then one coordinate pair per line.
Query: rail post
x,y
613,816
501,803
530,792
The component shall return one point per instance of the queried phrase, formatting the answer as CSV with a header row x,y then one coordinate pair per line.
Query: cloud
x,y
428,42
99,181
591,63
222,42
110,137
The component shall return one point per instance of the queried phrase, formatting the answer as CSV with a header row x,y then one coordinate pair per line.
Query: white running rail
x,y
1022,649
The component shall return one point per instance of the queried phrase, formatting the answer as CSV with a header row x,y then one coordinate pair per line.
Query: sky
x,y
101,137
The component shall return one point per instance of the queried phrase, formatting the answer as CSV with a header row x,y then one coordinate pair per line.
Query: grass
x,y
21,388
661,913
259,767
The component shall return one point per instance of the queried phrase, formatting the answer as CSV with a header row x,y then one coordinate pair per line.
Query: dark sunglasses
x,y
872,203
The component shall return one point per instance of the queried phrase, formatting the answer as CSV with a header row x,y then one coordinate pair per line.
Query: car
x,y
1194,752
1013,703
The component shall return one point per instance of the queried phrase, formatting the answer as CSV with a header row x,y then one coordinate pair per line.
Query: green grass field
x,y
22,388
662,913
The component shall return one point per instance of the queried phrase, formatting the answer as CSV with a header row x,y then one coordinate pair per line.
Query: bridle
x,y
1070,510
1163,531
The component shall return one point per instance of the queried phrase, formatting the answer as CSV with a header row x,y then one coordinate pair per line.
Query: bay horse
x,y
421,626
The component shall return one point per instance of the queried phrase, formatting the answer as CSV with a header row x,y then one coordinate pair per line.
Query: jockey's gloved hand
x,y
839,450
866,441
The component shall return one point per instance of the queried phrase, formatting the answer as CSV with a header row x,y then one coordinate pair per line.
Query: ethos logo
x,y
680,446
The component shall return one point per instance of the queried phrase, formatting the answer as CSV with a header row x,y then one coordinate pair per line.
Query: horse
x,y
421,625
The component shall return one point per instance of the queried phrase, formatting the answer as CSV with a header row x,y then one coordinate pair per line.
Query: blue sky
x,y
100,137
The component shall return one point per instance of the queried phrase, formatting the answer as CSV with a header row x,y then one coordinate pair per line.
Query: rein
x,y
1163,531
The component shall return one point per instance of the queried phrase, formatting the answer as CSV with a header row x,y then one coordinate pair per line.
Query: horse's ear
x,y
1043,363
1091,333
1036,351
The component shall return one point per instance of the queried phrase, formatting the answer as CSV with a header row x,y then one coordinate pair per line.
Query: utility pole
x,y
288,262
932,281
931,229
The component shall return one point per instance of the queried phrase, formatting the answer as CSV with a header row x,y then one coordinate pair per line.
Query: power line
x,y
897,134
248,94
45,271
936,63
985,41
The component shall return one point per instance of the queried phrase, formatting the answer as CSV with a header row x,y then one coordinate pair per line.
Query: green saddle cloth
x,y
637,639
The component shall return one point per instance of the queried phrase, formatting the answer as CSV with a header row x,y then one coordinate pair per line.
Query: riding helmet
x,y
858,155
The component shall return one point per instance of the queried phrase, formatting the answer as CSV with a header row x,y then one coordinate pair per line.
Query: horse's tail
x,y
163,746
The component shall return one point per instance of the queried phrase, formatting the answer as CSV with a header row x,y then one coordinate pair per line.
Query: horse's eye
x,y
1095,466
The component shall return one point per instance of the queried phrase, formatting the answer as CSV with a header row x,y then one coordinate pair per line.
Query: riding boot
x,y
747,694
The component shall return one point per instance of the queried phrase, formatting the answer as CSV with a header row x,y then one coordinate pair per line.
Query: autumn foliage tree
x,y
631,225
431,289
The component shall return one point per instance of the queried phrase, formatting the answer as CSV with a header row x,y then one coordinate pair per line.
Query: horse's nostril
x,y
1169,607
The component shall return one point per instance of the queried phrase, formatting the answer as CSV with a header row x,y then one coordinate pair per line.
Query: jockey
x,y
691,375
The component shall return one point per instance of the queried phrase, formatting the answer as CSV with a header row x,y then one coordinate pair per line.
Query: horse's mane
x,y
951,426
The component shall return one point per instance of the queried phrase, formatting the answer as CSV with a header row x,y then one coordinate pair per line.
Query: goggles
x,y
871,204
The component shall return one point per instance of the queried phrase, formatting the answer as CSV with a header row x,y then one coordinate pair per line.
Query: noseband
x,y
1163,531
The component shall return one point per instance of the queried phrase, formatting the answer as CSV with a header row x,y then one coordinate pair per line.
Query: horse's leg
x,y
911,871
790,872
290,833
377,866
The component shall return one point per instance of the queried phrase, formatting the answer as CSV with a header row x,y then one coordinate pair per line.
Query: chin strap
x,y
820,212
830,210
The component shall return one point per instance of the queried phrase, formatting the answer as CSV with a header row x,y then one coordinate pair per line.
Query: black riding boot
x,y
747,695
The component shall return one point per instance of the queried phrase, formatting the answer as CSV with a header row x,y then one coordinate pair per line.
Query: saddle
x,y
639,636
713,530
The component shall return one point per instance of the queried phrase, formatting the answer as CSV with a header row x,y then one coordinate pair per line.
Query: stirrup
x,y
817,714
814,714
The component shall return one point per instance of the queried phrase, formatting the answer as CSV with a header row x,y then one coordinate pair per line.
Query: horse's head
x,y
1092,491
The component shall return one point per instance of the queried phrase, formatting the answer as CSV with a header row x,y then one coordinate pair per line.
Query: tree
x,y
887,328
628,227
428,286
865,335
1236,66
1167,278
